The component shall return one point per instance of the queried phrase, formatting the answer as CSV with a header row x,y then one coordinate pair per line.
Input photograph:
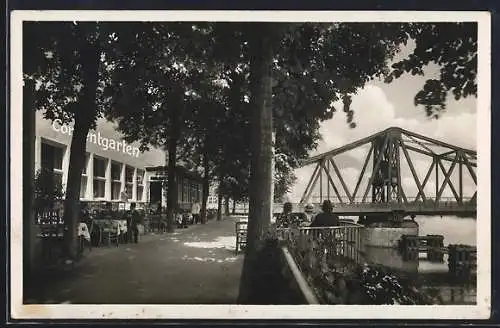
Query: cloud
x,y
374,112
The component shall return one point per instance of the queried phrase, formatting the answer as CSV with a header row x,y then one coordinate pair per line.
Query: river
x,y
455,230
432,276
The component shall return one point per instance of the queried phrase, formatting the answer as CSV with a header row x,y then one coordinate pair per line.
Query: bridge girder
x,y
387,149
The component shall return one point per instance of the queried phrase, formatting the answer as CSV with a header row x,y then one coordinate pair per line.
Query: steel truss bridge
x,y
384,192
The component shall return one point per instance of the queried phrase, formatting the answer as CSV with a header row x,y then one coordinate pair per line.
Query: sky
x,y
379,106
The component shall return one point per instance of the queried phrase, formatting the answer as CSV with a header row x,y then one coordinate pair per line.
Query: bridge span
x,y
379,188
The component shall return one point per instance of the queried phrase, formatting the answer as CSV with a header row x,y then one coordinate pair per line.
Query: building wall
x,y
102,144
189,188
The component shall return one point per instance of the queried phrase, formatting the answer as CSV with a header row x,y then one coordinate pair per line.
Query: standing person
x,y
327,218
132,222
284,219
195,212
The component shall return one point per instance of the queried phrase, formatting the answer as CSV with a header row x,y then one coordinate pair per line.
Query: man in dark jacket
x,y
132,222
327,218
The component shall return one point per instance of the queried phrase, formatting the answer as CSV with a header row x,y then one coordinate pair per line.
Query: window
x,y
116,182
99,177
83,186
129,180
140,186
52,160
116,171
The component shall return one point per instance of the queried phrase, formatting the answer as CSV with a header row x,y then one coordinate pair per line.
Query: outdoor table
x,y
83,231
116,227
156,222
52,236
122,224
55,231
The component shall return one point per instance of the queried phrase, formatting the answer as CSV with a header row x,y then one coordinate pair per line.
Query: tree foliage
x,y
66,65
191,89
453,47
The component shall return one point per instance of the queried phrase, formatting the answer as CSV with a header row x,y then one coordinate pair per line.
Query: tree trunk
x,y
234,207
171,184
84,118
29,234
261,146
226,205
219,201
206,189
175,130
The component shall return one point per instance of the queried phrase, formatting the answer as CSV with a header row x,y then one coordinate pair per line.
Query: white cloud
x,y
374,113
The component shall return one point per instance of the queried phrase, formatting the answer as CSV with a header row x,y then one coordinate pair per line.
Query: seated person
x,y
178,218
85,214
309,212
284,219
327,218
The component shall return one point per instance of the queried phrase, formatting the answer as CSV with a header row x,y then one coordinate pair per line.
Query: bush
x,y
48,191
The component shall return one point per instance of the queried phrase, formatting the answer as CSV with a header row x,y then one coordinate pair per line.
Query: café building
x,y
114,171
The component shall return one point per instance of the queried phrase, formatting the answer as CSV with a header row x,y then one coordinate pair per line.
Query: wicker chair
x,y
110,234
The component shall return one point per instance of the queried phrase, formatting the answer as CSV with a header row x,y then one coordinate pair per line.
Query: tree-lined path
x,y
191,266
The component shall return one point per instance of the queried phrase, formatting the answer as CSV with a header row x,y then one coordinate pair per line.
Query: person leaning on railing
x,y
327,218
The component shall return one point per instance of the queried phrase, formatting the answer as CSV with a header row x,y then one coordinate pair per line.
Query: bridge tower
x,y
386,174
386,168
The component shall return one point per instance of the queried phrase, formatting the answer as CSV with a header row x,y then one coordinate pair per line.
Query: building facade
x,y
114,170
189,187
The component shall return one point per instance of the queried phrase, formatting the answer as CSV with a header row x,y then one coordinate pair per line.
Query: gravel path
x,y
196,265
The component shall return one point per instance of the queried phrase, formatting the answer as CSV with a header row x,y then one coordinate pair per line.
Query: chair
x,y
96,234
110,233
147,225
241,236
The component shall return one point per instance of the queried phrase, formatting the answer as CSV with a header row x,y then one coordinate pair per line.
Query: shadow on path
x,y
197,265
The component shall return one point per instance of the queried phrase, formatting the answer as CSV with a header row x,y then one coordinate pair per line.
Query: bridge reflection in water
x,y
339,250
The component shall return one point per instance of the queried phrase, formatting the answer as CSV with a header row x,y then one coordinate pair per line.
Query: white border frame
x,y
73,311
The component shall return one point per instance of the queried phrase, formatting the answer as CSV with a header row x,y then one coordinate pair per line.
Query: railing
x,y
49,217
412,205
322,250
409,200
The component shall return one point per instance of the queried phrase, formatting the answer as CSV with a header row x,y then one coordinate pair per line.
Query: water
x,y
455,230
431,276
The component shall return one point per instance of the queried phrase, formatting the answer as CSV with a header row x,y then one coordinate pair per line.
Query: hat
x,y
309,207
